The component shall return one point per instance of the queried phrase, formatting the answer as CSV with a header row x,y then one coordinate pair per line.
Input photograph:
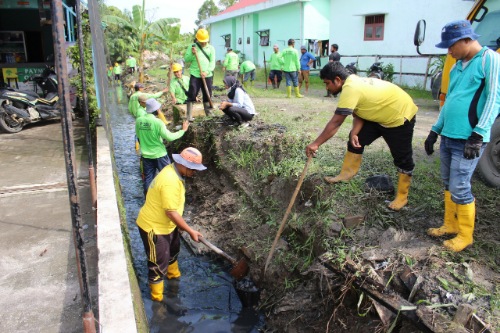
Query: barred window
x,y
374,27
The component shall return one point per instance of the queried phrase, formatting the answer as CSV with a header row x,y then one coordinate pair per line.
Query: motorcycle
x,y
376,71
21,107
351,68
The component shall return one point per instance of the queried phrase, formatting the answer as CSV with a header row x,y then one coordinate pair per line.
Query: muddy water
x,y
203,299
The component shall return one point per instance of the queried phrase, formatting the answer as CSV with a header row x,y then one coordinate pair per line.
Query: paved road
x,y
39,289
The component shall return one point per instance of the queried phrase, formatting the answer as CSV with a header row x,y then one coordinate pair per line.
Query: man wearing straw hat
x,y
151,131
160,219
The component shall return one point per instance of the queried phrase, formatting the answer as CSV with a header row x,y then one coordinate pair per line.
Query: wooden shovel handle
x,y
204,82
290,205
217,250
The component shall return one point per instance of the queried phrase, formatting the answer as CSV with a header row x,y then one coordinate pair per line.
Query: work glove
x,y
430,141
473,146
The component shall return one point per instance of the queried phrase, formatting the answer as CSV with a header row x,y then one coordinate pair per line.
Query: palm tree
x,y
140,30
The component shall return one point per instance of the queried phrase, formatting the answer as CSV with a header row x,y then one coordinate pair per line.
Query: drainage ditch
x,y
204,299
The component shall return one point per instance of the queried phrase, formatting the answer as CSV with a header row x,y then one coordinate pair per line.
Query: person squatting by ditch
x,y
239,106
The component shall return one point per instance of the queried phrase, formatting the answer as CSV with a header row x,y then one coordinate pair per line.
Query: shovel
x,y
240,267
282,225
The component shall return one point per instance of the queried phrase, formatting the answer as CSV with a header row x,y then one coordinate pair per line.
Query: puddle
x,y
204,298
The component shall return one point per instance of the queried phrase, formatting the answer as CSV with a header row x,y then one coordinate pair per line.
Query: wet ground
x,y
204,298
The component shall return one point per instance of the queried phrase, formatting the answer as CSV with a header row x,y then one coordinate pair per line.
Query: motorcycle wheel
x,y
8,125
489,164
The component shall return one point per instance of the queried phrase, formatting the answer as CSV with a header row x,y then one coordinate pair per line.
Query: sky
x,y
185,10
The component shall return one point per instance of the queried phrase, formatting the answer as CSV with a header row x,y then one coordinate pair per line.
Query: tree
x,y
140,30
206,10
223,4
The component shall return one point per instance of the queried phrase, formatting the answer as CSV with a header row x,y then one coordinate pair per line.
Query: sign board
x,y
22,4
21,74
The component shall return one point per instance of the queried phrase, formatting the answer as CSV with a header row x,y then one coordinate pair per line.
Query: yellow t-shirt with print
x,y
376,100
166,193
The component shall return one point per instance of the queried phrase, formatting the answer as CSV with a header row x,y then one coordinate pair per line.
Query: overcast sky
x,y
185,10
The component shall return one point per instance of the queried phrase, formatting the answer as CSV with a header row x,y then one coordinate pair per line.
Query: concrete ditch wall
x,y
116,311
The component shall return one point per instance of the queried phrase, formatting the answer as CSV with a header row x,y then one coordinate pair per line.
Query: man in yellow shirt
x,y
381,109
160,219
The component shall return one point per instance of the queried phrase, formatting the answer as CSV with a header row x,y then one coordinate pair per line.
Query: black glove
x,y
473,146
430,141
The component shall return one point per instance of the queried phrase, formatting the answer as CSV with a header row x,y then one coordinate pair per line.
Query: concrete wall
x,y
401,16
116,311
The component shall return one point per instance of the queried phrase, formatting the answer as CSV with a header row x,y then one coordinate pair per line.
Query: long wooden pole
x,y
292,201
203,79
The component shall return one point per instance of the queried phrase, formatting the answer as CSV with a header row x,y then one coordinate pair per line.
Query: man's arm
x,y
492,84
330,130
179,222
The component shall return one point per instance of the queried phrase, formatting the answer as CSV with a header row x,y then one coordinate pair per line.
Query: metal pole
x,y
69,156
85,105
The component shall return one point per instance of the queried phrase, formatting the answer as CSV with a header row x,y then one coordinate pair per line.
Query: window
x,y
239,40
374,27
264,37
227,40
248,40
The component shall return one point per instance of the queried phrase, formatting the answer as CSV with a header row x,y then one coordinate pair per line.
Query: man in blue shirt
x,y
464,123
306,60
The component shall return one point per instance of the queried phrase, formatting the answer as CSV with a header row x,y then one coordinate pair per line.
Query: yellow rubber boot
x,y
466,215
173,271
161,116
450,225
289,91
156,291
402,196
297,92
350,168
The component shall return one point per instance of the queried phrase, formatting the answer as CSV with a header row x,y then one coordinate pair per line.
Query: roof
x,y
241,4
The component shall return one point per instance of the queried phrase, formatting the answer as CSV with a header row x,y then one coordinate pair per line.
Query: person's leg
x,y
157,248
279,75
252,77
288,81
207,98
352,159
461,171
295,85
173,271
194,88
399,140
301,78
162,162
272,75
245,78
149,170
230,114
450,224
240,114
306,79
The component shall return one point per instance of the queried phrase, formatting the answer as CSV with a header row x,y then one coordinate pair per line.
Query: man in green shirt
x,y
247,70
131,64
291,67
179,85
206,56
231,62
117,71
151,131
137,107
276,62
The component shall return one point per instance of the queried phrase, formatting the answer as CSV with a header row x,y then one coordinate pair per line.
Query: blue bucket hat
x,y
152,105
455,31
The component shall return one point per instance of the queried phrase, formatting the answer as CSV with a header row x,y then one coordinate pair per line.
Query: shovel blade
x,y
240,269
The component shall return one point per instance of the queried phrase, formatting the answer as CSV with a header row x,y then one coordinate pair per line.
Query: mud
x,y
240,200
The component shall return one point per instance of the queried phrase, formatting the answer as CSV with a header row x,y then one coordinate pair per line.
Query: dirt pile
x,y
342,247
